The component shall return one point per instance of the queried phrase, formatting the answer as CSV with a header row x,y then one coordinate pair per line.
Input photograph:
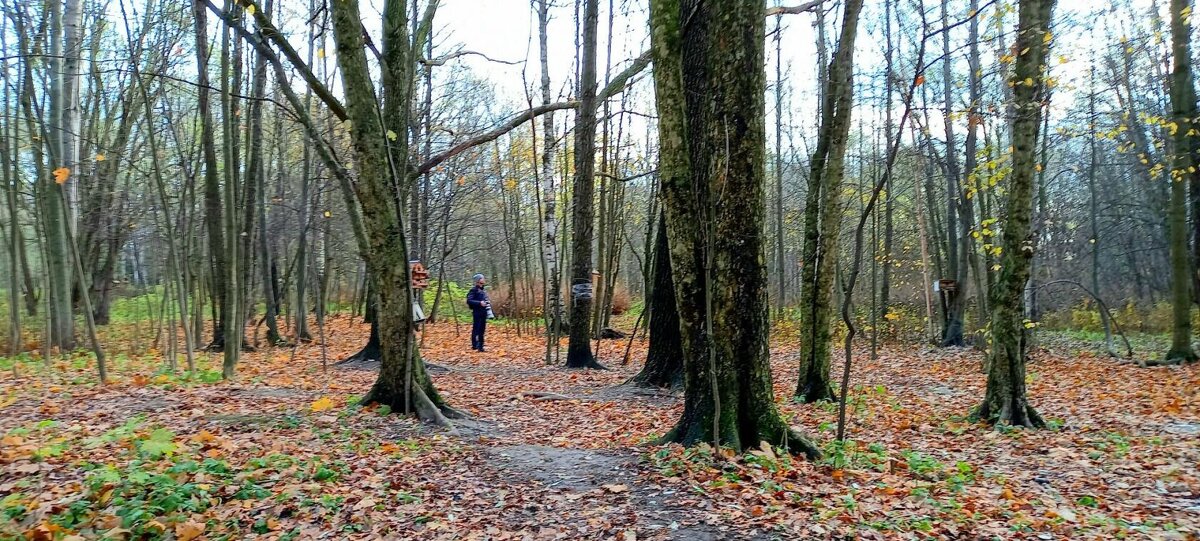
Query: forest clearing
x,y
551,453
618,270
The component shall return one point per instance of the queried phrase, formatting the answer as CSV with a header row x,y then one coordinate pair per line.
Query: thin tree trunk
x,y
553,290
56,216
10,174
174,261
780,247
579,348
214,222
823,219
1184,162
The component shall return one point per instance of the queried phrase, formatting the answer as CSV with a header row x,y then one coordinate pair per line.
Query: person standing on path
x,y
481,310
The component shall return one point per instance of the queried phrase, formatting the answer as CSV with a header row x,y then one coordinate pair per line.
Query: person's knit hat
x,y
477,278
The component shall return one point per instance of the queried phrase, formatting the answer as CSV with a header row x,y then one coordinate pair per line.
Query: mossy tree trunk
x,y
823,220
1005,400
712,150
403,384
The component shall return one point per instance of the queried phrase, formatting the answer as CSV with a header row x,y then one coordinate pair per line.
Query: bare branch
x,y
268,31
807,7
492,135
617,84
443,60
615,178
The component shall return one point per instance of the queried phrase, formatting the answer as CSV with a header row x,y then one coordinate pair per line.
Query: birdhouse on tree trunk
x,y
420,276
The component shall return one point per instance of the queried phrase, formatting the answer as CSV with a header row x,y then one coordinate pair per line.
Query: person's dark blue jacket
x,y
477,300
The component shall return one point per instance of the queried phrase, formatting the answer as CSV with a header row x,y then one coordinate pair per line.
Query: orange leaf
x,y
61,174
186,531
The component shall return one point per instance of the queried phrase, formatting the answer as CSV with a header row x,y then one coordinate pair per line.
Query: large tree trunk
x,y
579,348
403,384
1005,400
664,361
823,220
712,150
1183,167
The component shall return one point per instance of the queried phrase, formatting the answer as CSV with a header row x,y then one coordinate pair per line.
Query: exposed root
x,y
1011,412
810,393
369,353
797,443
452,413
427,411
421,405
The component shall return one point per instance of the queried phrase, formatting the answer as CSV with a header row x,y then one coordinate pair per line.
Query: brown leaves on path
x,y
284,453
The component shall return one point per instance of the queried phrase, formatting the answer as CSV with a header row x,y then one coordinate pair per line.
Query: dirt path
x,y
528,419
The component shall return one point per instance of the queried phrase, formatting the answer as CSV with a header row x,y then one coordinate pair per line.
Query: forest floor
x,y
284,453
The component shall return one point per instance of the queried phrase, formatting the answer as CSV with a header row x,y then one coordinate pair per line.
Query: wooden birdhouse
x,y
420,276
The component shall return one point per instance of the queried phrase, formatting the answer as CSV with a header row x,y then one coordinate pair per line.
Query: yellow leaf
x,y
996,267
1029,81
250,10
99,157
322,404
321,52
61,174
328,214
391,135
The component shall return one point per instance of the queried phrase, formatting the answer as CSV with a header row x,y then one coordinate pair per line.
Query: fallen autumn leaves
x,y
285,454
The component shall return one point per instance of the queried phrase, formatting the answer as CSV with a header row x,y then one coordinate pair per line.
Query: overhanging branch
x,y
807,7
492,135
443,60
